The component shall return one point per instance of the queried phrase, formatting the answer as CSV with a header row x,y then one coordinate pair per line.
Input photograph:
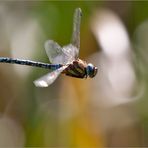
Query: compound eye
x,y
90,70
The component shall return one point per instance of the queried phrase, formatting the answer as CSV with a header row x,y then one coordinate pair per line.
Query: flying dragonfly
x,y
64,59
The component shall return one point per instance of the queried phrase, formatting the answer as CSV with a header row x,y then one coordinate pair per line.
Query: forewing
x,y
55,53
76,29
59,55
49,78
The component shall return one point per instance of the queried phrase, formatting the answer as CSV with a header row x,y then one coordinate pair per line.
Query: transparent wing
x,y
49,78
76,29
71,52
55,53
60,55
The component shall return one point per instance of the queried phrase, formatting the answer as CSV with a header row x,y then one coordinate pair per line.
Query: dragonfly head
x,y
91,70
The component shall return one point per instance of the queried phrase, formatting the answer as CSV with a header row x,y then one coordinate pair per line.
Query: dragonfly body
x,y
63,59
80,69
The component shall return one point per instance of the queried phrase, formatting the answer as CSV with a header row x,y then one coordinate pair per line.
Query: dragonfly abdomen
x,y
30,63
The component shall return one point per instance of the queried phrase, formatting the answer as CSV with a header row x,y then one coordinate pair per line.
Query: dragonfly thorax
x,y
80,69
91,70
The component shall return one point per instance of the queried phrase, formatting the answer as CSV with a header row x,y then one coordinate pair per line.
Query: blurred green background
x,y
60,115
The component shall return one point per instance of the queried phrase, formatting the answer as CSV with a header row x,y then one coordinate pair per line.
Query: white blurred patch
x,y
116,77
11,133
23,43
110,33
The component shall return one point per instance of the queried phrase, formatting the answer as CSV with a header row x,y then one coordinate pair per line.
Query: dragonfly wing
x,y
71,52
54,52
76,29
59,55
49,78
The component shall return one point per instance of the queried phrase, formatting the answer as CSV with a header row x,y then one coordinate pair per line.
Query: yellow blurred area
x,y
80,121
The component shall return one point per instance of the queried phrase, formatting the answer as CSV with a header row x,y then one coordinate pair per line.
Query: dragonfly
x,y
64,60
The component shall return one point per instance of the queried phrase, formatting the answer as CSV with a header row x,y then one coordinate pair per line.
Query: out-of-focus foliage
x,y
72,112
